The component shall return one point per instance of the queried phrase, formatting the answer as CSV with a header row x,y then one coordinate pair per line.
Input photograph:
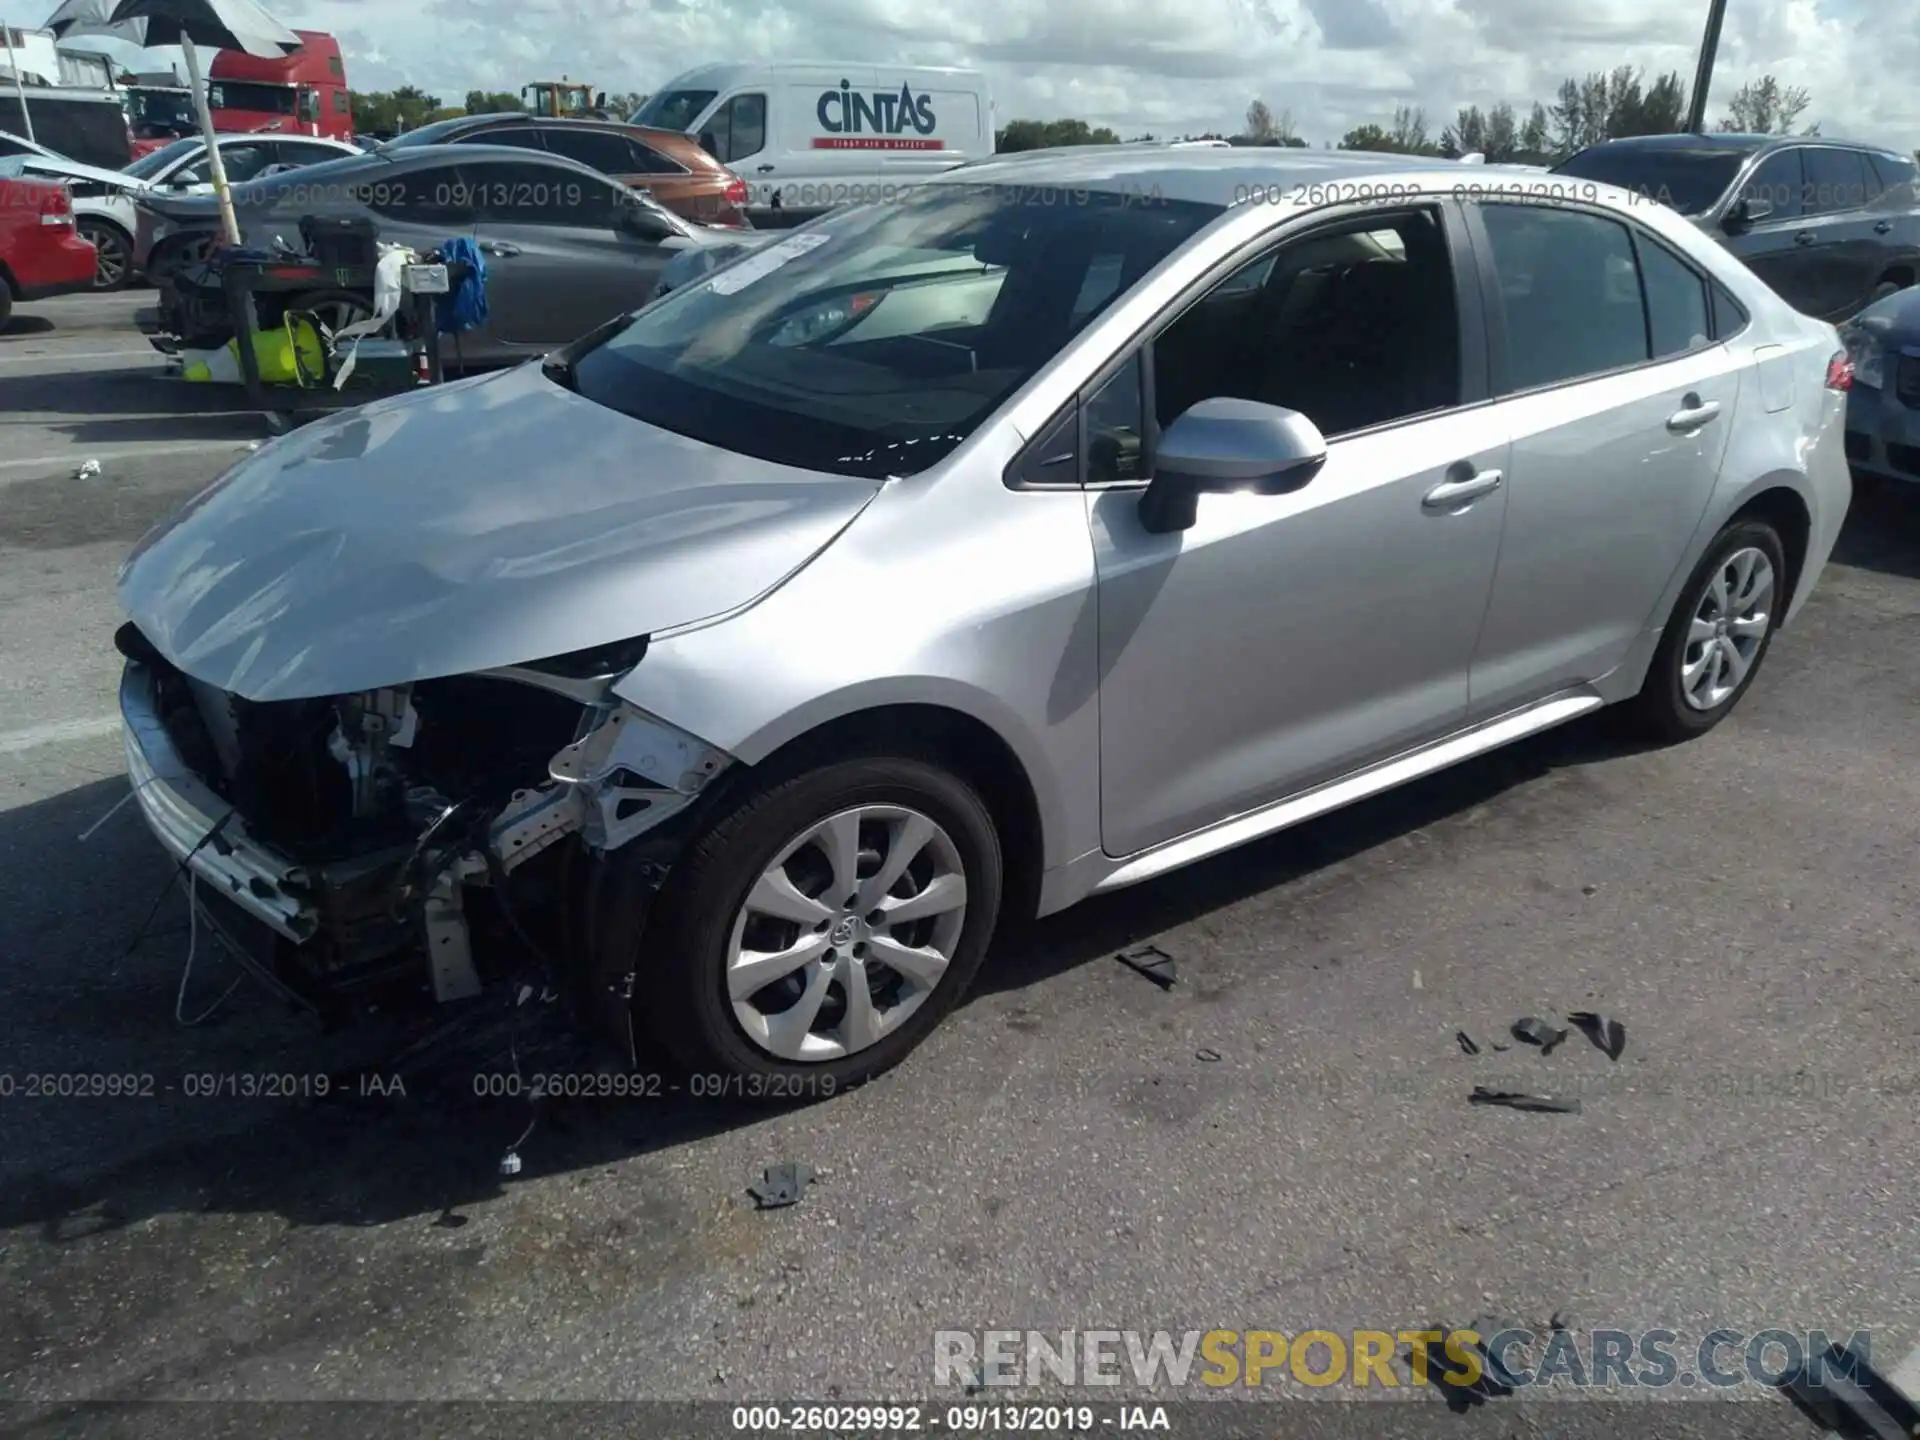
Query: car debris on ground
x,y
1531,1031
781,1185
1609,1035
1519,1100
1153,962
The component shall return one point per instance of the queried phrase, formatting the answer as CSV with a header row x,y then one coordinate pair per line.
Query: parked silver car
x,y
1057,527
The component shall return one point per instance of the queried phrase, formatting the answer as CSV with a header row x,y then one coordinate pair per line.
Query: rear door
x,y
1618,400
1849,252
558,265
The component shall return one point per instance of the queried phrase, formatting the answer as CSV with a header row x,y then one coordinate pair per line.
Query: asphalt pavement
x,y
1281,1140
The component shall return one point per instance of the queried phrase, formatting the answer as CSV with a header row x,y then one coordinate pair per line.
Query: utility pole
x,y
1703,77
19,81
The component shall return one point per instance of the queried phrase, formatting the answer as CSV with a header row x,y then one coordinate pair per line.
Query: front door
x,y
557,263
1286,639
1784,247
1620,408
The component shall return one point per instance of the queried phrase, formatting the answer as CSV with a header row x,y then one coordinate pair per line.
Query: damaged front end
x,y
437,836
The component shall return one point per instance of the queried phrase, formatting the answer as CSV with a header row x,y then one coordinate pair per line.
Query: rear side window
x,y
1836,181
1569,292
521,137
1896,175
1678,317
1729,315
648,161
738,130
604,150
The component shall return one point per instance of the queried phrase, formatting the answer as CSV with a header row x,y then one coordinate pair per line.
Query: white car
x,y
103,210
181,168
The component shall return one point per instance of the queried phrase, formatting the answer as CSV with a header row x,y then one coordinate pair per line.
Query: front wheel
x,y
1717,635
822,927
113,252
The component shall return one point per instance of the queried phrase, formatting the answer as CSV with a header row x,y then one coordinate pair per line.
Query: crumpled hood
x,y
488,522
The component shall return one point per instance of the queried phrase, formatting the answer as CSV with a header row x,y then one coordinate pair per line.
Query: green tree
x,y
407,108
1766,107
1534,134
1367,137
492,102
1047,134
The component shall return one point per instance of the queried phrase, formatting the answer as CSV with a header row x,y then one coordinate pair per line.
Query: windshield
x,y
874,341
1689,180
148,166
251,95
162,109
673,109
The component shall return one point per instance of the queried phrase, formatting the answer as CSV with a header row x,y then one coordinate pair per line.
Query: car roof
x,y
1732,141
1213,177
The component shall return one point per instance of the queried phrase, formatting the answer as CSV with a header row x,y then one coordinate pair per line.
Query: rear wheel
x,y
1717,635
1884,289
822,927
6,302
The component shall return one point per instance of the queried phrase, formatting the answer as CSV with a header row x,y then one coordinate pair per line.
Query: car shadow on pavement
x,y
21,326
1105,925
94,989
126,406
1882,532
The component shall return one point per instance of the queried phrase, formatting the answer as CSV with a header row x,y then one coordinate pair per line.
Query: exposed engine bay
x,y
440,835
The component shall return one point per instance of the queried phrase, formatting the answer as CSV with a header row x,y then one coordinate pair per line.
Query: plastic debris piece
x,y
1153,962
510,1163
1609,1035
1519,1100
1530,1031
1209,1056
87,470
780,1185
1465,1042
1501,1048
1842,1391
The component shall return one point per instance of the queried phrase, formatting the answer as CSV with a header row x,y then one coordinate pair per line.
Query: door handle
x,y
765,169
1692,415
1883,227
499,247
1803,237
1466,486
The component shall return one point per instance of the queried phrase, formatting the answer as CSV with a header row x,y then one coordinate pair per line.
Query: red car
x,y
41,254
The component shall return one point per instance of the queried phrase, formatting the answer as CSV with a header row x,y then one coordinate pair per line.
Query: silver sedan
x,y
743,665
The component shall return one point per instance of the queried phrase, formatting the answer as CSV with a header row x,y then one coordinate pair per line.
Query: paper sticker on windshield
x,y
758,267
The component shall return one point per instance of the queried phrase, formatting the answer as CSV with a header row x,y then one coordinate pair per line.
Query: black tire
x,y
1883,290
1661,709
680,997
6,302
115,248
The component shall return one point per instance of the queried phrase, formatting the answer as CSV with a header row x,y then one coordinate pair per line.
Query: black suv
x,y
1830,226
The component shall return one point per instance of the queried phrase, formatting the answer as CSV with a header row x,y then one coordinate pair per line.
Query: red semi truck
x,y
303,94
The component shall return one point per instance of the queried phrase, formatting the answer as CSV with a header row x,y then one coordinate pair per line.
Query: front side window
x,y
601,150
1780,182
241,162
518,137
874,343
738,130
1570,293
507,193
1352,327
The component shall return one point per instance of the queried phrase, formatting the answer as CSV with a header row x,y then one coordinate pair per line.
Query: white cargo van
x,y
808,137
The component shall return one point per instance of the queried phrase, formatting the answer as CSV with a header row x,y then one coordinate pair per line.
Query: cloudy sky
x,y
1165,66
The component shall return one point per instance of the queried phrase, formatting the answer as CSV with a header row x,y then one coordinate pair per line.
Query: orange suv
x,y
668,165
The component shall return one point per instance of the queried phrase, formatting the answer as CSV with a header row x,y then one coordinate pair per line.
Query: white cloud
x,y
1164,64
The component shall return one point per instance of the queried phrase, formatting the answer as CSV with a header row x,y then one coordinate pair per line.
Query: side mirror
x,y
1223,445
1745,212
639,221
710,143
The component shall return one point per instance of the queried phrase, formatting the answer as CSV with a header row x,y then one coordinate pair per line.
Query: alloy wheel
x,y
847,933
1728,628
111,255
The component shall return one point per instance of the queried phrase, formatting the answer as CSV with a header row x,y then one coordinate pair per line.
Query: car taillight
x,y
56,207
1840,371
736,191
